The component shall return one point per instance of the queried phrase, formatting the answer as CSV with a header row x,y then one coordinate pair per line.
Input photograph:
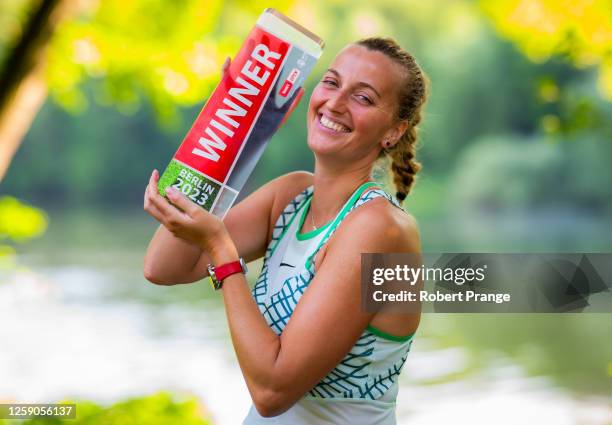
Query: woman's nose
x,y
337,101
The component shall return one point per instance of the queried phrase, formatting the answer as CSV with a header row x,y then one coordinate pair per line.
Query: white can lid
x,y
281,26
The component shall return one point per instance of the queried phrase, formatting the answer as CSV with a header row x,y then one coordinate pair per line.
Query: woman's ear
x,y
394,134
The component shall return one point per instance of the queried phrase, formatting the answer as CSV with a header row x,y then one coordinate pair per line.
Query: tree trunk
x,y
22,84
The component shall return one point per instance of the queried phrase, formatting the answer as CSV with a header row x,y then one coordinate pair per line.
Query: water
x,y
80,321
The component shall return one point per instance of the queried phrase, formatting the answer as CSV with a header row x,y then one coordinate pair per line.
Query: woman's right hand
x,y
169,260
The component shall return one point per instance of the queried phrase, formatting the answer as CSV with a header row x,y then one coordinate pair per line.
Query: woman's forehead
x,y
358,64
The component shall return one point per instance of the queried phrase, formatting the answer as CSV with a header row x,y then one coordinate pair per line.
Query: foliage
x,y
167,52
18,222
509,173
90,165
578,33
580,30
8,258
25,221
158,409
503,173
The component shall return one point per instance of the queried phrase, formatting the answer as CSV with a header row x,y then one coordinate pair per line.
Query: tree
x,y
22,87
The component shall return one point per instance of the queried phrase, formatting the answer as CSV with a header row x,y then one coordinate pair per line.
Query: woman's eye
x,y
364,99
329,82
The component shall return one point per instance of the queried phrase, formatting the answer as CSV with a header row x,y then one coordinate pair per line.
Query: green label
x,y
193,184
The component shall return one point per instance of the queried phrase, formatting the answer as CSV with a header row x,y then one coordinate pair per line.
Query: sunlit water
x,y
81,322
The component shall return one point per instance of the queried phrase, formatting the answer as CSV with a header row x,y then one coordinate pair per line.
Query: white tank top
x,y
363,387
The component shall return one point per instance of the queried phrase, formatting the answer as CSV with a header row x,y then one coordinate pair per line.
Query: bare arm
x,y
170,260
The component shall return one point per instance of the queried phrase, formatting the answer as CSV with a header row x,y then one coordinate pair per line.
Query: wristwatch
x,y
218,273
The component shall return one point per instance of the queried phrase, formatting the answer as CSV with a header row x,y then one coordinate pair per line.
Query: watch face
x,y
213,277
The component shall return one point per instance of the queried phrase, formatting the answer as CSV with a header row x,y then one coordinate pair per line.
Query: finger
x,y
153,180
157,206
149,205
226,65
151,195
297,99
181,201
152,190
169,213
149,189
154,212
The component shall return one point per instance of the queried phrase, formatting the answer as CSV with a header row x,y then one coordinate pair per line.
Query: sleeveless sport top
x,y
363,387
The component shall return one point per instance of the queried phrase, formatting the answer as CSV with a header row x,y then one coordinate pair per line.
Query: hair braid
x,y
412,97
403,164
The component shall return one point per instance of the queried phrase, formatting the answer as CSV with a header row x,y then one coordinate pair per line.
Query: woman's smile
x,y
329,125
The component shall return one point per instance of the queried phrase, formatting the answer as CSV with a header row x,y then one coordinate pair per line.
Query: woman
x,y
332,362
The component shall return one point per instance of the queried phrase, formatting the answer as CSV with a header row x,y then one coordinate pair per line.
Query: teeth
x,y
333,125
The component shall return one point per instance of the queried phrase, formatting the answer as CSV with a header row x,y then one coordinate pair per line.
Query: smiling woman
x,y
311,230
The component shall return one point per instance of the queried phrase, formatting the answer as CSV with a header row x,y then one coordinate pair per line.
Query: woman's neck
x,y
332,188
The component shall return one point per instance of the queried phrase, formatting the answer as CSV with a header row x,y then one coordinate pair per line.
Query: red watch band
x,y
217,274
228,269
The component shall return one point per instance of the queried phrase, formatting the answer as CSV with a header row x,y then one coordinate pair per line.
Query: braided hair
x,y
412,96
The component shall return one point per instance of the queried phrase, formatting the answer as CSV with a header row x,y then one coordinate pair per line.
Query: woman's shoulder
x,y
296,179
384,225
287,187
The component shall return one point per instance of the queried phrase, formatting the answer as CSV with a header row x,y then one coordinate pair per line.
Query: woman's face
x,y
352,109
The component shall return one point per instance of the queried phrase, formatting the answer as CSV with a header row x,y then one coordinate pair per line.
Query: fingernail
x,y
170,191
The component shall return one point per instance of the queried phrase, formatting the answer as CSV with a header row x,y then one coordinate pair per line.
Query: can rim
x,y
297,26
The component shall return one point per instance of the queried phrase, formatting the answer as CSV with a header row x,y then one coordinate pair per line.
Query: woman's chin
x,y
323,147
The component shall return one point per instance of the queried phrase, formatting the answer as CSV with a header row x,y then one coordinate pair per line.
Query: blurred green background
x,y
515,146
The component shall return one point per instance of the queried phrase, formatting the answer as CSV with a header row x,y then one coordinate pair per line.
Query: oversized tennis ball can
x,y
244,111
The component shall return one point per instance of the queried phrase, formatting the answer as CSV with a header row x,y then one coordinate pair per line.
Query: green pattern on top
x,y
347,207
278,232
390,337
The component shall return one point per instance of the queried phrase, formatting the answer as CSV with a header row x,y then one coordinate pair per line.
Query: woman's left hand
x,y
190,222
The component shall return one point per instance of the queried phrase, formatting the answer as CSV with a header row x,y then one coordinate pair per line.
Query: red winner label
x,y
215,139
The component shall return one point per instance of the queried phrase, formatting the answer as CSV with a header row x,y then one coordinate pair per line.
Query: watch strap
x,y
228,269
219,273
